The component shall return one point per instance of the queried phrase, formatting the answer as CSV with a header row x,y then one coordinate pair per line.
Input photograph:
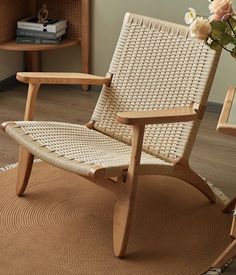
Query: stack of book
x,y
30,32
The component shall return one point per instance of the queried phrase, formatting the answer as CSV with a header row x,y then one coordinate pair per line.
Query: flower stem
x,y
231,27
223,47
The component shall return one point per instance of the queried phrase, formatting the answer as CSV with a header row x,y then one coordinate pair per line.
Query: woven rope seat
x,y
145,121
79,149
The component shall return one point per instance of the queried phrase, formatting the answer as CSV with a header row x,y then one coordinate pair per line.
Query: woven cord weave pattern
x,y
77,142
155,66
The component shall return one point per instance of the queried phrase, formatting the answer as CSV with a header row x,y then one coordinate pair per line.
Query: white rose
x,y
190,16
200,28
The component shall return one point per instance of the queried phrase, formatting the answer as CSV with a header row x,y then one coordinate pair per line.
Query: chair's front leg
x,y
125,199
25,162
25,159
228,254
31,99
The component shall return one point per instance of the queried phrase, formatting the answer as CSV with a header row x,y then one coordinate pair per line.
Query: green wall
x,y
107,16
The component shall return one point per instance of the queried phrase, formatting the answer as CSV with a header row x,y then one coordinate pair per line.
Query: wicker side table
x,y
76,12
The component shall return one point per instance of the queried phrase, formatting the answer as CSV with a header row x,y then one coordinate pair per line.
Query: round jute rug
x,y
63,225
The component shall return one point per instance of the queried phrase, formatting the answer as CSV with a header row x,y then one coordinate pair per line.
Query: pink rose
x,y
200,28
221,9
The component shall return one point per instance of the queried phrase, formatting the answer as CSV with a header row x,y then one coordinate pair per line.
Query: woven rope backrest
x,y
156,65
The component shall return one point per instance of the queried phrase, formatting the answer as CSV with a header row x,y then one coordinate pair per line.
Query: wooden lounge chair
x,y
145,121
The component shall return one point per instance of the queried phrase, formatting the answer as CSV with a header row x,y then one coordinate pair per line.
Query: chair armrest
x,y
62,78
224,125
180,114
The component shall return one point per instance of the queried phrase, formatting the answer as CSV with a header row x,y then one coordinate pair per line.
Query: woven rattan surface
x,y
83,148
156,65
10,12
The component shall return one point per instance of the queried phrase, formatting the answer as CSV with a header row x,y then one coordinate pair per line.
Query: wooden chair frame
x,y
177,165
125,191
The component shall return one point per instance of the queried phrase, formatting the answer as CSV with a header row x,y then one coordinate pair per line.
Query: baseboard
x,y
8,83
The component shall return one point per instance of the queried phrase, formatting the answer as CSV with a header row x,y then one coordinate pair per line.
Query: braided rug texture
x,y
63,225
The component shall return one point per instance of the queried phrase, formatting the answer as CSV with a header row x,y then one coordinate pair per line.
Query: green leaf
x,y
215,45
216,35
218,26
228,29
233,40
233,53
232,22
232,25
225,39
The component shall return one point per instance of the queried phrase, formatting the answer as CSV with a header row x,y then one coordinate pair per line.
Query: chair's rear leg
x,y
121,224
25,162
125,198
230,206
189,176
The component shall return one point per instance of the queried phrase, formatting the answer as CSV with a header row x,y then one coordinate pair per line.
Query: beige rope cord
x,y
83,149
156,65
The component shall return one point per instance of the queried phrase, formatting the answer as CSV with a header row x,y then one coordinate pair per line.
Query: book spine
x,y
39,34
41,27
31,33
33,40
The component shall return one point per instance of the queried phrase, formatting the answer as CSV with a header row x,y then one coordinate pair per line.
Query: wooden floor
x,y
213,156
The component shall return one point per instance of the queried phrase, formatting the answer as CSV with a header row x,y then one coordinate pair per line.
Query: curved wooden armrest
x,y
180,114
62,78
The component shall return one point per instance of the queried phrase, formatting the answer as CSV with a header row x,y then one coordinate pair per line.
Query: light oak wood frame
x,y
25,159
229,129
125,188
223,125
125,201
181,168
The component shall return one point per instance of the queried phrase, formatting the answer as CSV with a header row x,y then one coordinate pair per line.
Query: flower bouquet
x,y
218,30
